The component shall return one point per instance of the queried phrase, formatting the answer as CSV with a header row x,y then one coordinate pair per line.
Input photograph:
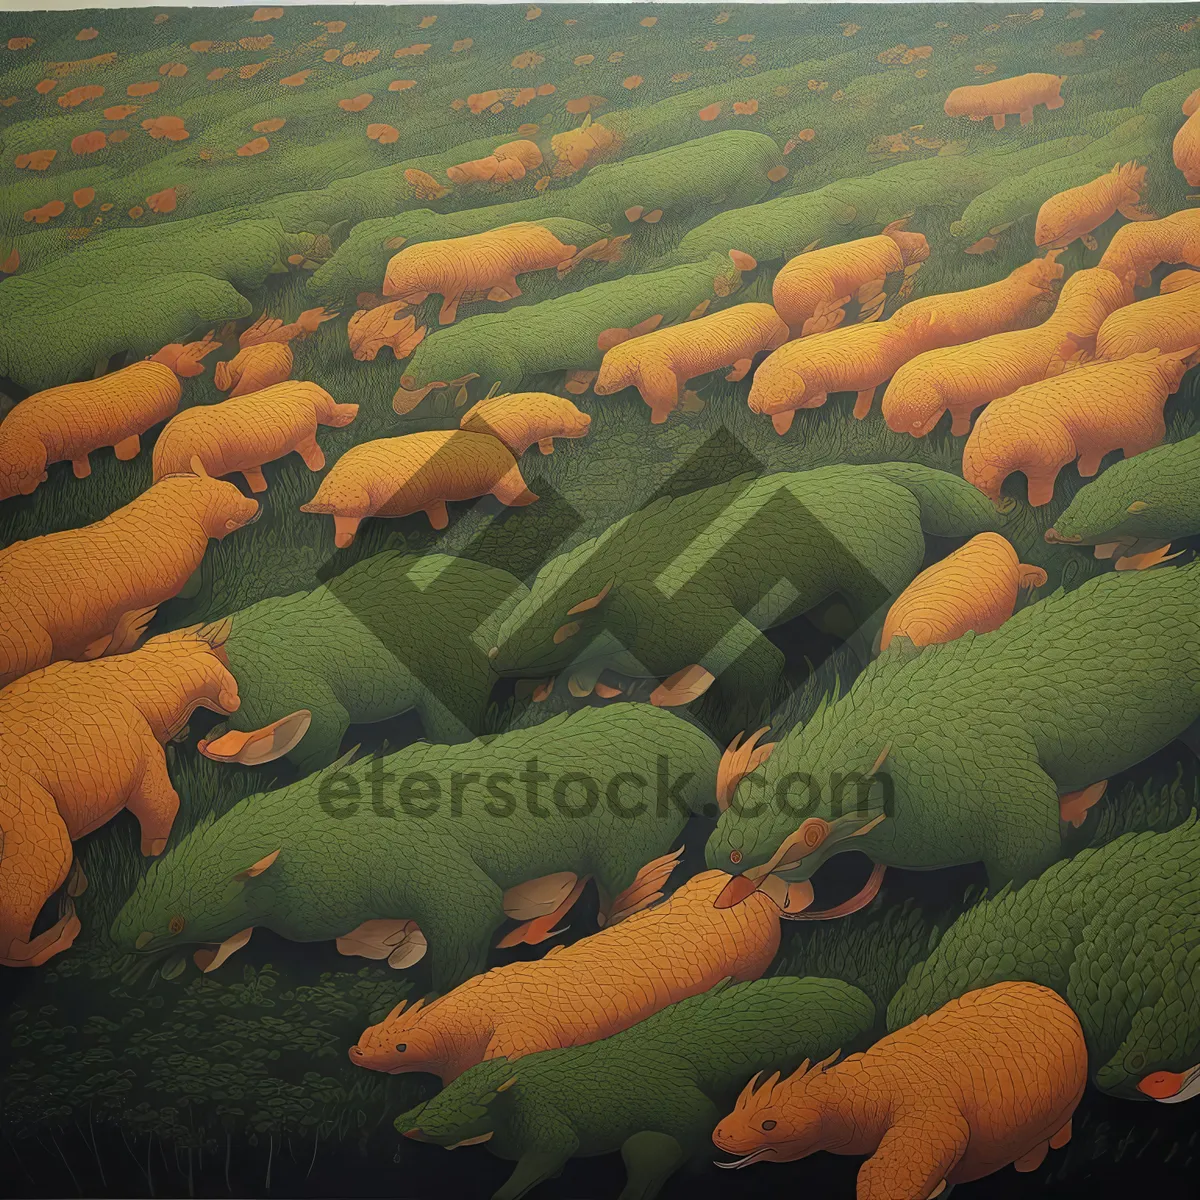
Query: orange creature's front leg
x,y
998,121
914,1157
659,386
153,799
255,479
311,453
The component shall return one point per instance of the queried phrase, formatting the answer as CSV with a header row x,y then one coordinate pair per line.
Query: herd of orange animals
x,y
1064,372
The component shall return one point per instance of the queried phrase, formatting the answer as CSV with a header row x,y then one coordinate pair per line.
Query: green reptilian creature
x,y
393,632
959,753
1116,932
1138,506
683,589
653,1091
451,839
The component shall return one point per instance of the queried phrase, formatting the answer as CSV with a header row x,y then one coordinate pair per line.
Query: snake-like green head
x,y
463,1112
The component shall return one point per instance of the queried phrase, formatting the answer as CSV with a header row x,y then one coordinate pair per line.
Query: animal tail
x,y
1030,577
950,506
736,1029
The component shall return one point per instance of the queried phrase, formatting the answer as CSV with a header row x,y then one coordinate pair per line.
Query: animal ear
x,y
592,601
1138,506
216,633
197,466
742,260
570,629
257,868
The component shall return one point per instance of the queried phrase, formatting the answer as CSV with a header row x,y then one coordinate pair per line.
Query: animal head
x,y
776,1120
185,359
22,463
217,505
464,1112
1056,221
1159,1058
619,368
402,1041
566,616
1139,497
912,403
1043,273
435,364
195,658
215,883
787,810
777,389
966,102
341,495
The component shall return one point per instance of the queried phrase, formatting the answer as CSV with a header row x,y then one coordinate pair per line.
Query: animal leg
x,y
651,1158
1032,1159
81,466
578,382
998,121
37,856
546,445
539,929
312,454
128,448
439,518
1061,1138
449,309
1040,485
510,488
344,529
1055,102
255,479
130,626
459,915
960,423
862,402
914,1156
740,369
782,422
152,799
659,387
1073,806
539,1165
1027,116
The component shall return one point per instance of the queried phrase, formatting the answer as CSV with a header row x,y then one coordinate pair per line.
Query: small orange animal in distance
x,y
975,588
83,197
254,368
272,125
1005,97
267,14
89,143
1186,148
297,79
710,112
991,1078
142,89
385,135
79,95
46,86
35,160
119,112
395,477
256,146
401,85
86,35
163,202
356,103
47,212
521,418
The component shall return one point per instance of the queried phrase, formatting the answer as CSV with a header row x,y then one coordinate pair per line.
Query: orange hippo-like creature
x,y
78,743
583,992
1006,97
244,432
393,477
519,419
1136,249
82,593
253,368
990,1079
1077,211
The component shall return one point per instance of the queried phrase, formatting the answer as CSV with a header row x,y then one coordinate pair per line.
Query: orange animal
x,y
963,378
1077,211
505,164
69,422
1186,147
272,329
185,359
254,368
394,477
1135,250
574,149
370,329
1006,97
811,291
990,1079
1085,413
658,364
1168,321
79,742
244,432
582,992
480,264
522,418
86,592
975,588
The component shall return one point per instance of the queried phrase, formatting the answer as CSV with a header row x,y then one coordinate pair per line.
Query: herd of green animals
x,y
988,710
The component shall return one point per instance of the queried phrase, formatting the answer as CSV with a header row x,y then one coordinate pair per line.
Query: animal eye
x,y
1135,1061
176,924
401,1047
735,856
768,1125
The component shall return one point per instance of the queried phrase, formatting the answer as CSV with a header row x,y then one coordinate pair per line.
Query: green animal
x,y
436,845
566,333
959,753
683,589
393,632
653,1091
1116,932
1139,505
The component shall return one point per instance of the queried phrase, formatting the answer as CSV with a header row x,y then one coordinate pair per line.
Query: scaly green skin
x,y
561,334
728,168
1113,931
1163,484
843,209
654,1091
392,633
360,841
982,735
696,579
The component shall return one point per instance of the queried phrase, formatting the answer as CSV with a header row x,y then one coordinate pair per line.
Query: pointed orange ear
x,y
592,601
197,466
258,868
